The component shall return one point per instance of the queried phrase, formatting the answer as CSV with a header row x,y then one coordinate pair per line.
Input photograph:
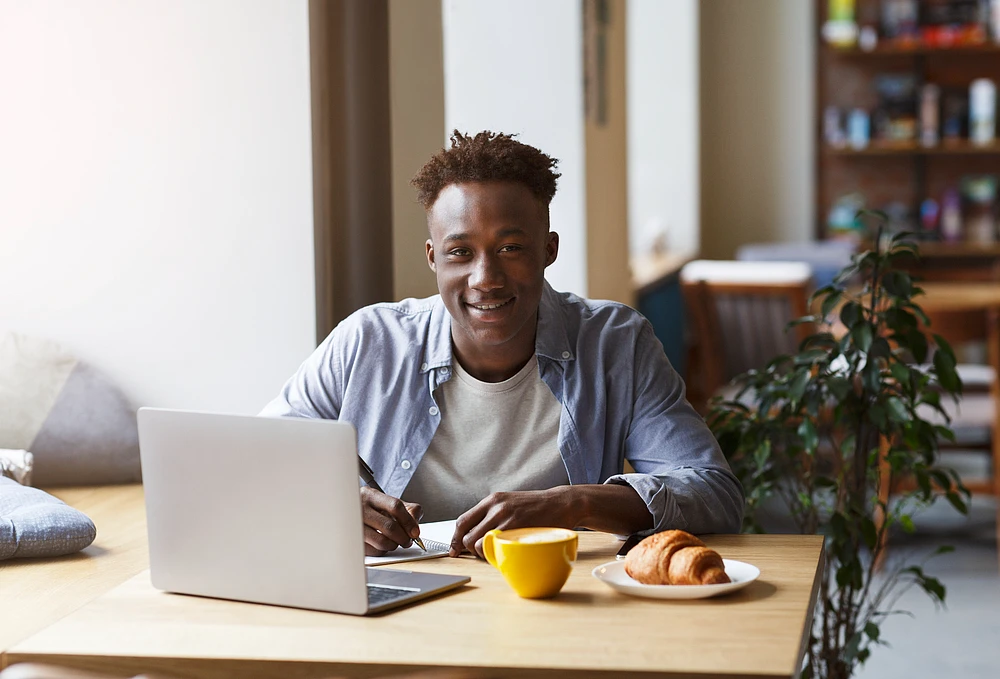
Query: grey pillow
x,y
74,420
33,523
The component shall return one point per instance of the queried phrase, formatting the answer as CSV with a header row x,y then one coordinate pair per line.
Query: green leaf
x,y
850,314
897,410
830,303
900,372
840,387
868,532
851,650
944,366
916,342
862,336
807,431
880,348
871,629
957,502
942,345
943,549
898,284
798,386
907,523
932,586
900,320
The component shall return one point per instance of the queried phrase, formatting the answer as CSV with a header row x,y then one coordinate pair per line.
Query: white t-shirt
x,y
493,436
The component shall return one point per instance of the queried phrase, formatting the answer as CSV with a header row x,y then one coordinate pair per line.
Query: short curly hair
x,y
486,157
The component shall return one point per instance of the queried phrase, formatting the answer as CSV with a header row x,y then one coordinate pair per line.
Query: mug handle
x,y
488,547
571,549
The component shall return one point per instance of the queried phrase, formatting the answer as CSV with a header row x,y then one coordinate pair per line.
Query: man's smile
x,y
491,305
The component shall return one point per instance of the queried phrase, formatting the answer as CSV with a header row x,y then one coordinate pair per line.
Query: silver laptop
x,y
264,510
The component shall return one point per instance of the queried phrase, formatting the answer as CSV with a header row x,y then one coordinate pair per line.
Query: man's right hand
x,y
389,522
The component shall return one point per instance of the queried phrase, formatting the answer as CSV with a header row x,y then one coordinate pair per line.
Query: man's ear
x,y
551,247
430,255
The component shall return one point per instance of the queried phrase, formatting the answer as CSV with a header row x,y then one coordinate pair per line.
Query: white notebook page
x,y
436,536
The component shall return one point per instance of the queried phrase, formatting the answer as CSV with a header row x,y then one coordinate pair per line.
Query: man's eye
x,y
459,252
510,248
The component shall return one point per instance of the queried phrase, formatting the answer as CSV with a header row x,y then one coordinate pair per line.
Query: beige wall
x,y
757,145
416,72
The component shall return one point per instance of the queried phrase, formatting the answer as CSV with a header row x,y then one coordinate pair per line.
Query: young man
x,y
501,402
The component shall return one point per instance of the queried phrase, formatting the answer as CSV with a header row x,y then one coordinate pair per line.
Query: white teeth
x,y
488,307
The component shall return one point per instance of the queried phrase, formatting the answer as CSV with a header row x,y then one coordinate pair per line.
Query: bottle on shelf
x,y
982,111
930,97
929,211
995,20
858,129
951,217
980,193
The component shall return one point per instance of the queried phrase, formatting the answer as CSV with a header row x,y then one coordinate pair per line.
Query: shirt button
x,y
566,354
423,366
405,464
433,410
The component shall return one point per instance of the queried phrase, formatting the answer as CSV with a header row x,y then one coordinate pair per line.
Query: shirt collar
x,y
437,351
551,340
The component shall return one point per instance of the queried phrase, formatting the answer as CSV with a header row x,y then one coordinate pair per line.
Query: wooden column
x,y
352,170
606,143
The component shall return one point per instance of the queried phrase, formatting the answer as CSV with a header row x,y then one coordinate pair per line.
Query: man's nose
x,y
487,274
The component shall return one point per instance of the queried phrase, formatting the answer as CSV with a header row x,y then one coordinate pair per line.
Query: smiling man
x,y
501,402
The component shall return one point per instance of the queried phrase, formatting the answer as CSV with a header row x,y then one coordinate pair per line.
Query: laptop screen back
x,y
254,509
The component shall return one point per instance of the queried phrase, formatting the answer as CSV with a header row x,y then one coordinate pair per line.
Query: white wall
x,y
517,66
663,150
156,191
757,123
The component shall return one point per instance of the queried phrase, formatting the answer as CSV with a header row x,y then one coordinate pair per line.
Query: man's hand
x,y
517,509
610,508
389,522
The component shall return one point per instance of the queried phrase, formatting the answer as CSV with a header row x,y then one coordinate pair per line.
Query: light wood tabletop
x,y
35,593
588,630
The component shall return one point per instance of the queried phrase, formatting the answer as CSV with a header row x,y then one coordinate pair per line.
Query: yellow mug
x,y
535,562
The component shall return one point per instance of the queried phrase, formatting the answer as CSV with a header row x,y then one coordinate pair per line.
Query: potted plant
x,y
811,429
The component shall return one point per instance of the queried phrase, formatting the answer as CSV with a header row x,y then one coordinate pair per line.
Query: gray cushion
x,y
33,523
77,423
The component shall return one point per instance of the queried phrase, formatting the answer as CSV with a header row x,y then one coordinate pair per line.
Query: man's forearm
x,y
610,508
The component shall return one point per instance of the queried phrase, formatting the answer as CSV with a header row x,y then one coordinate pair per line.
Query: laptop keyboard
x,y
379,594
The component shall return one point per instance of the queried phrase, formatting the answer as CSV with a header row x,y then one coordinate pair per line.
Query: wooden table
x,y
34,593
587,631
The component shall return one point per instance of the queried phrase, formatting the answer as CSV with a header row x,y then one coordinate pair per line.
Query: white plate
x,y
613,574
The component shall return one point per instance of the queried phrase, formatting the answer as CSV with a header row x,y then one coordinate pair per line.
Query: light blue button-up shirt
x,y
621,400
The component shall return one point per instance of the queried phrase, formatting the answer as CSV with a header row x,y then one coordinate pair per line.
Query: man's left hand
x,y
517,509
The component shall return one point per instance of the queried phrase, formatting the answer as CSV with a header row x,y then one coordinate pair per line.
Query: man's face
x,y
489,246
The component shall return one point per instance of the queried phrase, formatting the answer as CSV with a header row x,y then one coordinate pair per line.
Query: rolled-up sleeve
x,y
681,473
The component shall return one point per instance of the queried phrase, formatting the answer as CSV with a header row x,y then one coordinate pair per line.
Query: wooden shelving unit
x,y
913,149
894,51
903,172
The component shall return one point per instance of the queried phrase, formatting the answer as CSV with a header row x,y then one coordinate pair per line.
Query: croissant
x,y
675,557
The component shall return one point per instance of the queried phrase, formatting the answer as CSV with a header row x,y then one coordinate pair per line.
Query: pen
x,y
368,476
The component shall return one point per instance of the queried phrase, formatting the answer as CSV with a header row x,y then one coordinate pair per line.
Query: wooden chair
x,y
978,410
738,312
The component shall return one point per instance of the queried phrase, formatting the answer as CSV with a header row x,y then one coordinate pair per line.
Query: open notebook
x,y
436,537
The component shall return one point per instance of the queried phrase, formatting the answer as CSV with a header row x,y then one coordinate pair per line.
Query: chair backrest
x,y
739,312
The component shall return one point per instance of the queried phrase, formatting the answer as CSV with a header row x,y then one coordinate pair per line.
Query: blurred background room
x,y
194,192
